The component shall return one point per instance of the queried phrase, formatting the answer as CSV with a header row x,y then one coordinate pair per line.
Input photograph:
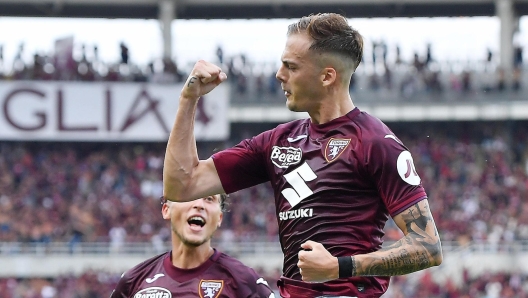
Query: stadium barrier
x,y
20,259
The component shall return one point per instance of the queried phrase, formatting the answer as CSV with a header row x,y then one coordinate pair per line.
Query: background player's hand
x,y
316,264
204,77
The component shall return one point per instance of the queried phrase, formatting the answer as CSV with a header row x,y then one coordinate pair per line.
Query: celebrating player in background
x,y
337,176
193,268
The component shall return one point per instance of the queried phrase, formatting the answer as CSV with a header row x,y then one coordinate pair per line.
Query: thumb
x,y
308,244
219,79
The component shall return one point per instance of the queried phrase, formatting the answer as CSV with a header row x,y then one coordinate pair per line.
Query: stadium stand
x,y
91,202
97,192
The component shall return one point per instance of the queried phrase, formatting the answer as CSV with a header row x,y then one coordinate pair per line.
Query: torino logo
x,y
153,292
283,157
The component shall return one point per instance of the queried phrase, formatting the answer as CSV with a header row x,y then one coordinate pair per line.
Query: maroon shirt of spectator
x,y
335,183
221,276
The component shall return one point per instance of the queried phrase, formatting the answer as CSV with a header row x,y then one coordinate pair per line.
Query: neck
x,y
188,257
331,107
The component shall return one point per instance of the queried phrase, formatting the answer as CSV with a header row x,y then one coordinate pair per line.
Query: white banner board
x,y
104,111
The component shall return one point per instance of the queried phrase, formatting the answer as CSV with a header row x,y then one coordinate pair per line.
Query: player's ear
x,y
220,220
165,210
328,76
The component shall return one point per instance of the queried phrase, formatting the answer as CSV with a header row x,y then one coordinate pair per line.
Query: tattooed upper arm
x,y
420,248
417,219
417,223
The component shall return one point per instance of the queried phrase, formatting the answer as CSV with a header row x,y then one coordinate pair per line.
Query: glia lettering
x,y
51,109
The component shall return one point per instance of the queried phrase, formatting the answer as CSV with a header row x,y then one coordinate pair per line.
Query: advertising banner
x,y
101,111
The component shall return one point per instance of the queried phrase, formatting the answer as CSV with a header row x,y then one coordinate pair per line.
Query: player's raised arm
x,y
185,177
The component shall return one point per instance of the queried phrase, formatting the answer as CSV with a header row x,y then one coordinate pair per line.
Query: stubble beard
x,y
188,242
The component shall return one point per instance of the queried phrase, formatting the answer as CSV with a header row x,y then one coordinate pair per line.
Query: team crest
x,y
334,148
210,288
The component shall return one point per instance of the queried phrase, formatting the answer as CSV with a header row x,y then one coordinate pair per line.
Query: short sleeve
x,y
390,164
244,165
259,287
122,289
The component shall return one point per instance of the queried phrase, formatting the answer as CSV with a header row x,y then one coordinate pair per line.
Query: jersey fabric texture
x,y
221,276
335,183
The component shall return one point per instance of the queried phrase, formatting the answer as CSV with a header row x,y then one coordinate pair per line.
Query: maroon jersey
x,y
335,183
221,276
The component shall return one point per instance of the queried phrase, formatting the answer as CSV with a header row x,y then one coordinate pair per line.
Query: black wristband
x,y
345,266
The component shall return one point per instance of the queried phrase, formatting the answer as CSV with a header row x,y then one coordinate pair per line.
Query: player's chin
x,y
291,105
194,241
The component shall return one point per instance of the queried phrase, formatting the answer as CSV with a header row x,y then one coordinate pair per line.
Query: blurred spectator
x,y
124,53
517,56
428,55
517,77
117,238
466,81
398,59
220,54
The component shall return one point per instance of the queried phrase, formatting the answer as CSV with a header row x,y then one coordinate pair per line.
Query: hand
x,y
316,264
204,77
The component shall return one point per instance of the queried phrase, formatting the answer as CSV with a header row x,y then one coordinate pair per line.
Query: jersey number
x,y
297,179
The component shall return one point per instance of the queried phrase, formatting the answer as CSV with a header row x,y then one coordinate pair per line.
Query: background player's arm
x,y
185,177
420,248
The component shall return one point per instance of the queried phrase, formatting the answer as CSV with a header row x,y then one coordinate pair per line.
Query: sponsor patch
x,y
334,148
153,292
283,157
210,288
406,168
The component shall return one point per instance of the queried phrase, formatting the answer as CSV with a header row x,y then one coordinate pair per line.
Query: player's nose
x,y
198,204
280,74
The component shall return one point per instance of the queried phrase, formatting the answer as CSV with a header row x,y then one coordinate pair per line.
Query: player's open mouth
x,y
196,221
286,93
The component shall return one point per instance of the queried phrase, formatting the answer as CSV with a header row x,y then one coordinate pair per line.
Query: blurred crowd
x,y
64,65
487,285
73,192
99,284
384,73
476,174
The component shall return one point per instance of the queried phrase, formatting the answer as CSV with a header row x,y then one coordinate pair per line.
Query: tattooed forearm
x,y
419,249
191,81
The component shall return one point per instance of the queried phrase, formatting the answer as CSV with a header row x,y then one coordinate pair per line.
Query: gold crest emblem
x,y
210,288
334,148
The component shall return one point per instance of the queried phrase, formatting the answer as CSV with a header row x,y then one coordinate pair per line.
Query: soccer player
x,y
192,268
337,176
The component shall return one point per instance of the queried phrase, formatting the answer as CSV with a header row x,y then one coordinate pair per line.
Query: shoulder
x,y
371,128
288,127
292,128
133,277
238,270
249,282
144,268
235,266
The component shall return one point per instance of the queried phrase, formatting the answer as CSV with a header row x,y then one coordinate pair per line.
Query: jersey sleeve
x,y
392,169
244,165
123,287
259,287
